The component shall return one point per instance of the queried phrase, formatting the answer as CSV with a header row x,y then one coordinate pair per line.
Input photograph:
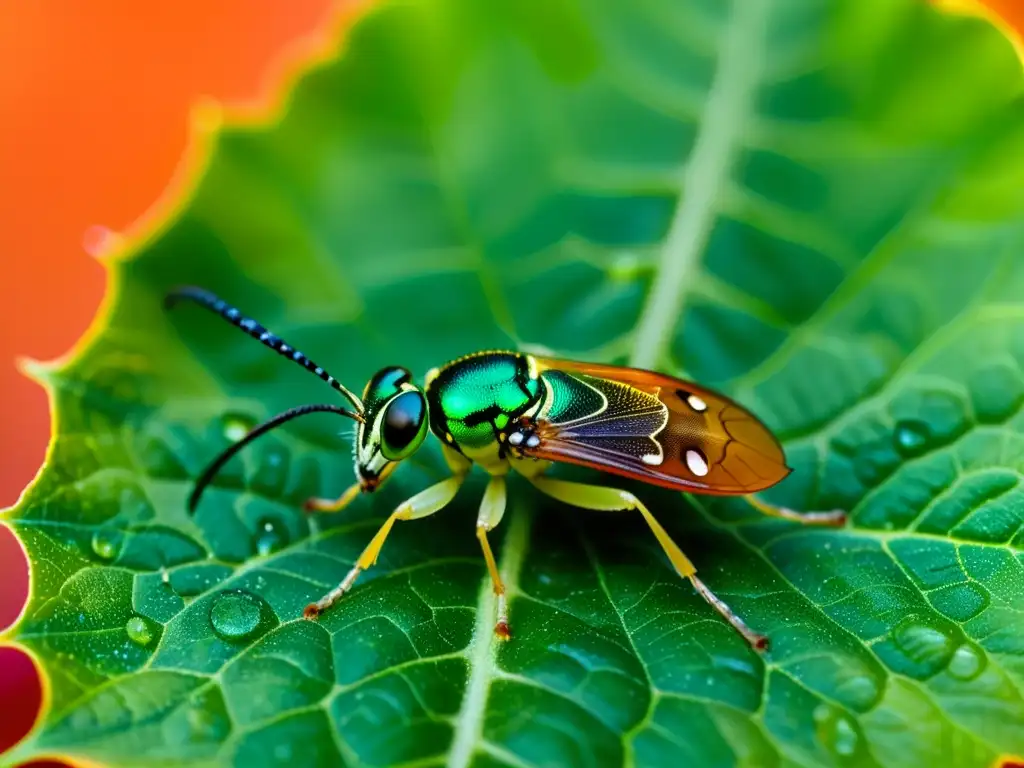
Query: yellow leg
x,y
609,499
492,509
423,504
835,517
333,505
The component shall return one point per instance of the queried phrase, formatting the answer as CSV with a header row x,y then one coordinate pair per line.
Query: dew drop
x,y
271,536
923,644
626,268
836,731
236,426
236,615
106,544
966,663
860,691
845,741
138,631
911,437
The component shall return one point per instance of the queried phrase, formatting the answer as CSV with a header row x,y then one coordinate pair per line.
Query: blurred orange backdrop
x,y
94,104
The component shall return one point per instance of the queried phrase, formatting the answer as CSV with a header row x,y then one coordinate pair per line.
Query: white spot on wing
x,y
515,438
652,459
532,441
695,461
697,404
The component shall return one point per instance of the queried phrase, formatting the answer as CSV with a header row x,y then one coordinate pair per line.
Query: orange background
x,y
94,105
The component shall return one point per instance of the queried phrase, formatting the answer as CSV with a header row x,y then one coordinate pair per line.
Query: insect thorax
x,y
474,398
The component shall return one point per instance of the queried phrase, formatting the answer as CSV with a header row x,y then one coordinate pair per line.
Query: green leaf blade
x,y
807,205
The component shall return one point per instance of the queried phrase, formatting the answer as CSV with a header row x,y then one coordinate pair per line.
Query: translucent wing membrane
x,y
654,428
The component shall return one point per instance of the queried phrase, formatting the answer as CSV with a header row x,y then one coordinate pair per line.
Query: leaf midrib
x,y
717,144
483,670
719,140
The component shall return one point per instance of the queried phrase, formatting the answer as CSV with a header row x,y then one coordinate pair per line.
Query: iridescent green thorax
x,y
475,397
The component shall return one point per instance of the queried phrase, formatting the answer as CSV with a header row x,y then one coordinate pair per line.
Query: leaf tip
x,y
206,116
35,370
103,243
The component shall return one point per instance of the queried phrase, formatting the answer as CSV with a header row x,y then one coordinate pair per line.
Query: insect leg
x,y
835,517
333,505
492,508
423,504
609,499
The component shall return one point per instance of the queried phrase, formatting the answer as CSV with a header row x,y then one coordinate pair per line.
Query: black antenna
x,y
261,429
215,304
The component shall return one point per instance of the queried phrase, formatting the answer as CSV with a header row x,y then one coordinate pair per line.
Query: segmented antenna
x,y
214,467
215,304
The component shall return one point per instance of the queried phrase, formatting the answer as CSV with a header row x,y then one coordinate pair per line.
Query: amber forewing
x,y
741,454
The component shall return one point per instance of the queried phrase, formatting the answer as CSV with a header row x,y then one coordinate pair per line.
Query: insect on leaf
x,y
813,207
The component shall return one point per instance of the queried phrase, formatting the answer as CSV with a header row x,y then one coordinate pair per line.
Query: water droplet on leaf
x,y
966,663
106,544
139,631
923,644
271,536
236,615
236,426
845,740
860,691
836,731
625,268
911,437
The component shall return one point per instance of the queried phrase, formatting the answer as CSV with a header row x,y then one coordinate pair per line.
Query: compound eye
x,y
403,425
385,383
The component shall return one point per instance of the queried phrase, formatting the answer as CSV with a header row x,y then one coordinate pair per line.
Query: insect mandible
x,y
508,411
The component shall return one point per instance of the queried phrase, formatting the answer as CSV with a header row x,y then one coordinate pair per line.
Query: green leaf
x,y
816,207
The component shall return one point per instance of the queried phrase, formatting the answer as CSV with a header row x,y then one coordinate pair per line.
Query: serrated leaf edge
x,y
207,118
